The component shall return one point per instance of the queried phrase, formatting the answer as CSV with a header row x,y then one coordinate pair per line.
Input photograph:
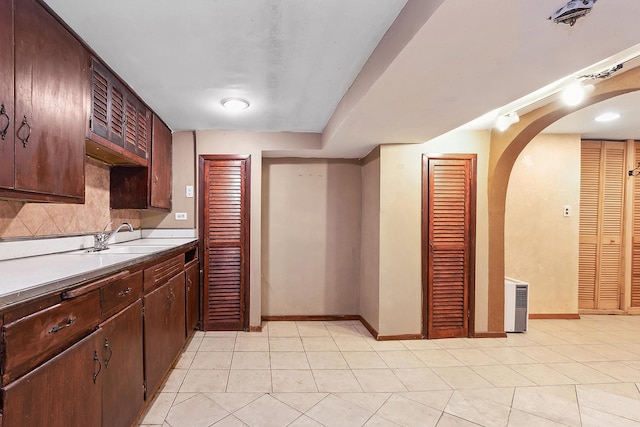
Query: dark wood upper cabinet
x,y
47,121
120,124
136,187
6,94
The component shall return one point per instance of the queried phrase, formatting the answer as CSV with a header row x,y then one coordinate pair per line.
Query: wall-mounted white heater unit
x,y
516,305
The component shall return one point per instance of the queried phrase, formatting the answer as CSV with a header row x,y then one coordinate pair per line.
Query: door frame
x,y
246,272
425,254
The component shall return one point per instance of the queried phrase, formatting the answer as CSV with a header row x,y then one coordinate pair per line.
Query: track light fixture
x,y
503,122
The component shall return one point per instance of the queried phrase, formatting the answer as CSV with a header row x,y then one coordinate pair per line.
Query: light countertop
x,y
22,279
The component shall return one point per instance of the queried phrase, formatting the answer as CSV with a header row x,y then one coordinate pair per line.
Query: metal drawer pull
x,y
25,141
124,292
108,347
96,359
3,113
66,325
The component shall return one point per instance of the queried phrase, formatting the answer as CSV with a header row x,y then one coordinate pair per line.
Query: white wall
x,y
541,245
311,210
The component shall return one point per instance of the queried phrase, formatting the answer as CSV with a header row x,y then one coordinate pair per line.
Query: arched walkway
x,y
504,150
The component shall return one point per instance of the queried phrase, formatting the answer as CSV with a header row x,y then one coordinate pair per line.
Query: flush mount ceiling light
x,y
503,122
235,104
607,117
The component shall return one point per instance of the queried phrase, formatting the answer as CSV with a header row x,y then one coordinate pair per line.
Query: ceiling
x,y
360,73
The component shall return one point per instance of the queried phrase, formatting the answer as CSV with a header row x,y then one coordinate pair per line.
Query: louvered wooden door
x,y
601,266
448,244
225,226
635,248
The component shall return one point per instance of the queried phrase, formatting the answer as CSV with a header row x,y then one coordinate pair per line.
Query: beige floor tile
x,y
461,377
378,421
221,334
285,344
193,344
319,344
541,338
378,380
326,360
502,376
252,344
283,329
251,360
267,411
618,370
500,395
249,380
448,420
578,353
436,358
363,360
555,403
230,421
336,380
616,399
542,374
581,373
198,411
355,343
369,401
289,360
233,401
174,380
480,411
472,356
312,329
420,379
292,381
508,356
217,344
304,421
522,419
578,338
452,343
401,359
184,362
594,418
342,330
205,381
336,412
421,344
212,360
385,345
159,409
181,397
408,413
436,399
300,401
613,353
542,354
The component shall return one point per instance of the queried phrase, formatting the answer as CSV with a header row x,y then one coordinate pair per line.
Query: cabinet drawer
x,y
34,338
160,273
119,294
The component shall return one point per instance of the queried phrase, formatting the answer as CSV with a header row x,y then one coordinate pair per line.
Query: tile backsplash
x,y
20,219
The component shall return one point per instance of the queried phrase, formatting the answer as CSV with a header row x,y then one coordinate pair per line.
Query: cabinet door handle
x,y
96,373
3,113
171,297
155,178
25,140
65,325
108,347
124,292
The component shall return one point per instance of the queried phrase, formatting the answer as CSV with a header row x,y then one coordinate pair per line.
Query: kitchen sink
x,y
123,250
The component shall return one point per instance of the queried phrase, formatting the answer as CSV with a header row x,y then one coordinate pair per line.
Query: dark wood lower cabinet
x,y
192,298
164,326
122,354
65,391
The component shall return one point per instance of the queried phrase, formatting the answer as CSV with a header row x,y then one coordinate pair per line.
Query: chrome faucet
x,y
101,238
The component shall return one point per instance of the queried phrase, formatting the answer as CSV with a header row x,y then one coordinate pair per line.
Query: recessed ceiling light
x,y
607,117
235,104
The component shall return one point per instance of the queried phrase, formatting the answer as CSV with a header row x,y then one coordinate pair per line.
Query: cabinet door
x,y
6,94
50,124
137,129
65,391
121,353
107,104
163,330
192,297
160,166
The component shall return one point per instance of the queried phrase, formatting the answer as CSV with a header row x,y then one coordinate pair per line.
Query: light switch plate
x,y
181,216
189,191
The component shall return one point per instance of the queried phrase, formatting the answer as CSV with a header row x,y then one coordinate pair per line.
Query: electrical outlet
x,y
566,210
181,216
189,191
